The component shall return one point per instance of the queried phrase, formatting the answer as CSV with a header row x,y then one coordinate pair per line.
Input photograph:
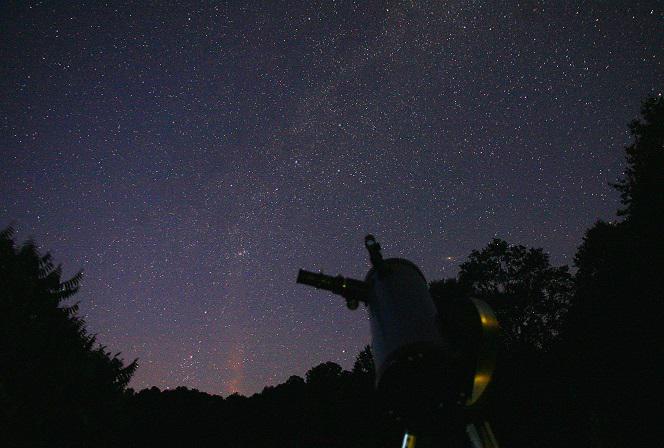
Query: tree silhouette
x,y
364,365
325,374
57,386
642,187
617,312
529,296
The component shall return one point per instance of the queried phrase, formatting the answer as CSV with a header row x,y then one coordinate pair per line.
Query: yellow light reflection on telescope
x,y
487,351
481,380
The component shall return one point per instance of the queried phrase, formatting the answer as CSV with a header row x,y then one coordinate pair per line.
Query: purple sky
x,y
192,157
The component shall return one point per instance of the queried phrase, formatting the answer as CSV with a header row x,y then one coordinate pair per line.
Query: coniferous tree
x,y
364,367
58,387
642,187
619,300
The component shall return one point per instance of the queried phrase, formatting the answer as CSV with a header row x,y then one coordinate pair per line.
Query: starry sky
x,y
191,157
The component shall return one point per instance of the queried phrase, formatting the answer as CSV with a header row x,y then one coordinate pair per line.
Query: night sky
x,y
190,158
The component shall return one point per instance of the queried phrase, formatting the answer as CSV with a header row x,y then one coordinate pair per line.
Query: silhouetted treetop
x,y
529,296
642,187
50,366
614,323
364,364
324,374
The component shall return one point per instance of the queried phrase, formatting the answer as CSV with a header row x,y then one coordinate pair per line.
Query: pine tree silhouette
x,y
58,387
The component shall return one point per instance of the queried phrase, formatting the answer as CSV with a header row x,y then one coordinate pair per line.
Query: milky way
x,y
190,158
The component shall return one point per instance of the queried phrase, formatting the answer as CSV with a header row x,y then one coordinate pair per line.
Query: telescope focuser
x,y
354,291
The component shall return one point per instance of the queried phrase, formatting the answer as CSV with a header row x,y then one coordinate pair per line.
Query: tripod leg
x,y
408,441
481,435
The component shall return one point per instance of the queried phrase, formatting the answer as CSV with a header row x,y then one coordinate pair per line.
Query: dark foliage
x,y
332,408
595,383
614,324
529,296
642,187
57,386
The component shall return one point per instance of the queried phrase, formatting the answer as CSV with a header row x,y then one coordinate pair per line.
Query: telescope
x,y
432,366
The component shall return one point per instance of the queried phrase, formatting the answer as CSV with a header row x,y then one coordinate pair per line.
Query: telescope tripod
x,y
478,434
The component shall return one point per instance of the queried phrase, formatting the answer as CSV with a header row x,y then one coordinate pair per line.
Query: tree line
x,y
577,366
